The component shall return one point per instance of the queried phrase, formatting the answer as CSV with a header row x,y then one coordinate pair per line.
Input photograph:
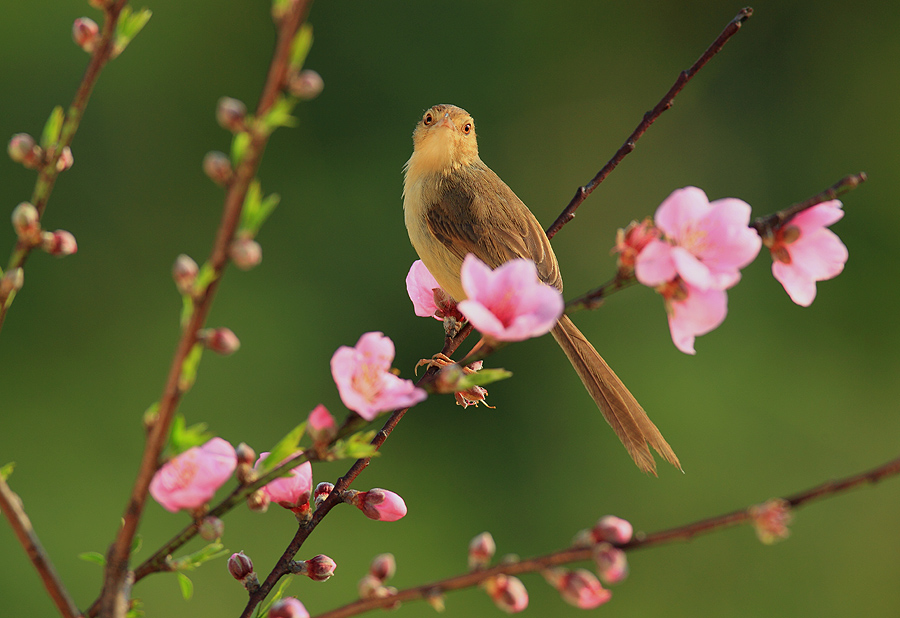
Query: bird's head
x,y
444,139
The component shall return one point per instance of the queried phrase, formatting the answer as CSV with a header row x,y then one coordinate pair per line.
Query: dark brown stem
x,y
665,103
282,566
578,554
116,572
12,507
596,297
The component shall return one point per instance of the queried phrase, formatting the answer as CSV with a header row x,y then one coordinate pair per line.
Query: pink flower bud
x,y
383,567
12,281
211,528
245,453
369,587
612,529
318,569
632,240
770,520
612,565
379,504
85,33
220,340
22,149
65,160
245,253
288,607
579,588
190,480
217,166
306,84
507,592
258,501
481,550
26,222
321,425
59,243
240,565
291,492
184,272
230,114
323,490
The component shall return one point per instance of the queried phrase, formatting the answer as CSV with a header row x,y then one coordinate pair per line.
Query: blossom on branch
x,y
804,251
509,303
290,492
364,379
190,480
428,297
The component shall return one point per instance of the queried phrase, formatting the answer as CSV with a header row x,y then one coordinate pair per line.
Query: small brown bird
x,y
454,205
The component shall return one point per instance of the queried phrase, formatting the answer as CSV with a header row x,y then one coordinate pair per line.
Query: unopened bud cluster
x,y
319,569
23,149
372,585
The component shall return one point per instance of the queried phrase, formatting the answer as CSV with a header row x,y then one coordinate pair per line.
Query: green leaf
x,y
356,446
256,211
136,610
263,608
182,437
206,276
93,556
300,46
193,561
239,144
53,127
189,368
186,585
279,115
136,544
187,308
6,470
286,447
128,26
480,378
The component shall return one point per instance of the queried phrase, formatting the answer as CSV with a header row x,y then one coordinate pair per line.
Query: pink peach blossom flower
x,y
707,243
805,251
321,424
420,285
364,380
190,479
509,303
291,492
692,312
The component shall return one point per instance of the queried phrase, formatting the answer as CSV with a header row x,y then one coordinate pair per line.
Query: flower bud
x,y
211,528
59,243
85,33
612,529
245,253
321,425
288,607
383,567
230,114
65,160
631,241
217,166
507,592
220,340
318,569
22,149
245,454
481,550
612,565
579,588
258,501
306,84
27,222
184,272
770,520
241,568
378,504
369,587
12,281
323,490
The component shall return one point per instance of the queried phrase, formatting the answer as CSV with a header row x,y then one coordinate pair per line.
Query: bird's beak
x,y
446,122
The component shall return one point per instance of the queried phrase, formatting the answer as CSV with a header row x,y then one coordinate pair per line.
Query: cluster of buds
x,y
305,85
377,504
371,586
246,457
770,520
605,538
318,569
288,607
220,340
241,568
86,34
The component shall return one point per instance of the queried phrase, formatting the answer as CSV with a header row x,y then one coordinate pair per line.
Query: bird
x,y
454,205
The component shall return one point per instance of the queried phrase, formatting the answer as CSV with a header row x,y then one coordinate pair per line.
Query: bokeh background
x,y
778,399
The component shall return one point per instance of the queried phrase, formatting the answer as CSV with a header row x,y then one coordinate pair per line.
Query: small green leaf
x,y
136,610
239,144
93,556
480,378
286,447
187,308
189,368
193,561
53,127
256,211
182,437
186,585
128,26
356,446
279,115
300,46
136,544
206,276
6,470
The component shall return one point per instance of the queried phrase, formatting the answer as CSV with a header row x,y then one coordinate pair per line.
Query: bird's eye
x,y
428,119
468,128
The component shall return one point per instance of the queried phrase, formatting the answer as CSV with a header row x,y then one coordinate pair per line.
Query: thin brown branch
x,y
650,117
578,554
116,573
11,505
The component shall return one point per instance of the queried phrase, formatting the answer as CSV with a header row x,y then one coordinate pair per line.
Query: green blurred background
x,y
777,399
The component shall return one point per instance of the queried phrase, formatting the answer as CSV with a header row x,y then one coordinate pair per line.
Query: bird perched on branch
x,y
455,205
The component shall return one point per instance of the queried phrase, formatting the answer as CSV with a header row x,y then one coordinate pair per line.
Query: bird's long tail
x,y
619,407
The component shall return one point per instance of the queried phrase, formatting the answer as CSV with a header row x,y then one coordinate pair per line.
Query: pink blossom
x,y
805,251
190,479
612,529
380,504
692,312
321,424
706,243
579,587
291,492
288,607
364,380
509,303
507,592
420,285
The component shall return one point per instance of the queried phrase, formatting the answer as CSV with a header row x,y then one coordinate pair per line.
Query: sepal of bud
x,y
23,149
306,84
612,565
383,567
507,592
245,253
85,33
66,159
231,114
321,493
27,223
481,549
319,569
217,167
288,607
184,273
59,243
211,528
220,340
